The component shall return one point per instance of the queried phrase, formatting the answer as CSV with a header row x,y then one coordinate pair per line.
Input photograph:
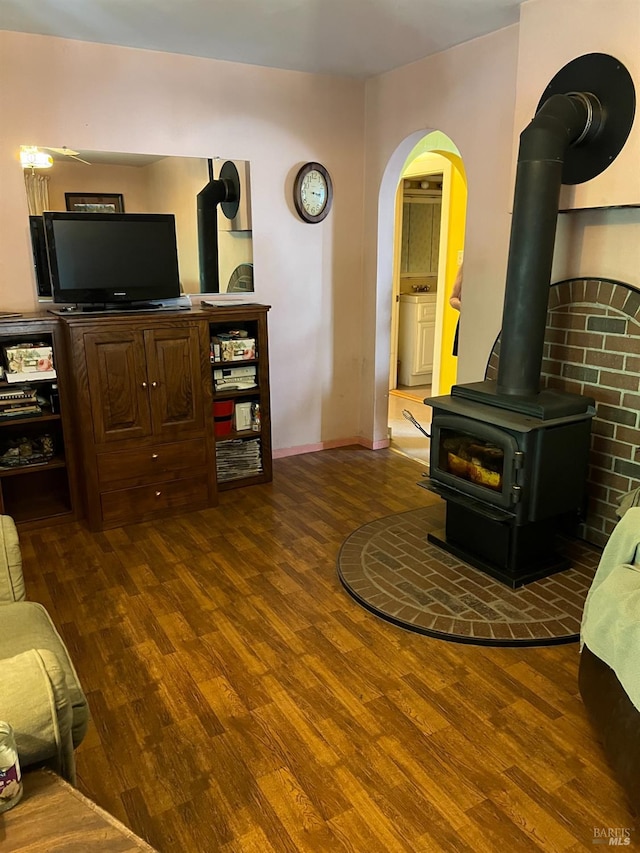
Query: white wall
x,y
468,93
600,243
100,97
329,285
552,34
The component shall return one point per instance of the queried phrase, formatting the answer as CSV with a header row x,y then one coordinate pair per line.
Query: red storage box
x,y
223,417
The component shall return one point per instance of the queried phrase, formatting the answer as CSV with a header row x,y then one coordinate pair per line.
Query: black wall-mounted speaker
x,y
40,256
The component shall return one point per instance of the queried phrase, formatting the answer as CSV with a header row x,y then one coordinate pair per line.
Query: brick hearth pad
x,y
389,567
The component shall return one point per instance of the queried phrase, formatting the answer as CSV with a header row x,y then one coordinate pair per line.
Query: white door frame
x,y
395,289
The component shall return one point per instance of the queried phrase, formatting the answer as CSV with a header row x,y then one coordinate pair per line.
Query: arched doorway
x,y
428,241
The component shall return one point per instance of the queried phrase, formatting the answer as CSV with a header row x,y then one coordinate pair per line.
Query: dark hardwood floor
x,y
242,701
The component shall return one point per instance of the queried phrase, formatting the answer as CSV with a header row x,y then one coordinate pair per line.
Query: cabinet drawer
x,y
427,311
127,505
150,463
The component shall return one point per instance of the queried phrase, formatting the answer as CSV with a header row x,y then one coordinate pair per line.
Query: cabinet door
x,y
424,347
175,380
117,377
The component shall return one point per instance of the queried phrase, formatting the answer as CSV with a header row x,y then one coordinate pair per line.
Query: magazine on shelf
x,y
236,458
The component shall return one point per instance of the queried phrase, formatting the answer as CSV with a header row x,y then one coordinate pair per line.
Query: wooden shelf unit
x,y
45,492
253,320
135,415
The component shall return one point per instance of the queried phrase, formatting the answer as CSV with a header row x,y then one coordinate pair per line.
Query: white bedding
x,y
611,616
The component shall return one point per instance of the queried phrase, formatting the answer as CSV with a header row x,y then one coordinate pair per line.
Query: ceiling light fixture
x,y
31,158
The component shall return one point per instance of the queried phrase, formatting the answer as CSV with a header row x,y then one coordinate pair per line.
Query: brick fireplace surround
x,y
592,347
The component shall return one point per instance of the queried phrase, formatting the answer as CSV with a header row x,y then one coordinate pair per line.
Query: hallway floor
x,y
405,437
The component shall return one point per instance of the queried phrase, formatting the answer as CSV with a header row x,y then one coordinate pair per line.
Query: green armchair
x,y
40,694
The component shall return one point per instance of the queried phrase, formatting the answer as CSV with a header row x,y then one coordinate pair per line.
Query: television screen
x,y
111,258
40,257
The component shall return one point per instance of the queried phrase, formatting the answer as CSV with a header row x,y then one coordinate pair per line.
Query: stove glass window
x,y
471,458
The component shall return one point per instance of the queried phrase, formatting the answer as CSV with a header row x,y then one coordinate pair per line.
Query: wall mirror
x,y
138,183
421,216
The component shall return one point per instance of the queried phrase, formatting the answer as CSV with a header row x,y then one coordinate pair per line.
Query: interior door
x,y
175,369
117,377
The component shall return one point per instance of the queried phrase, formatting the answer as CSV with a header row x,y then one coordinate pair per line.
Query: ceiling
x,y
103,158
354,38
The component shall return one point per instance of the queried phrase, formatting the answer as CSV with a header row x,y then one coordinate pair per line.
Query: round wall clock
x,y
312,192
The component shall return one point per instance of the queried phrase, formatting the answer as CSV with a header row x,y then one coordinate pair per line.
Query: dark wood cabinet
x,y
143,391
130,416
145,382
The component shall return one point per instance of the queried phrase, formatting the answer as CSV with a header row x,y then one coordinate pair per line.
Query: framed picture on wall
x,y
94,202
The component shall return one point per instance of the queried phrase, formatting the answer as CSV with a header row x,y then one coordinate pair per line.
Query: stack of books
x,y
19,403
237,458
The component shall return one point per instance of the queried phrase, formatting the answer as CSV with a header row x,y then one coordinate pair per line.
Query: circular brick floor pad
x,y
389,567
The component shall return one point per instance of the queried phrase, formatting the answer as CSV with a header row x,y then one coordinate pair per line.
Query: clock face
x,y
312,192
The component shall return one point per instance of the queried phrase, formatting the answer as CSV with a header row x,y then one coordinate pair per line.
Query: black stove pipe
x,y
562,121
207,201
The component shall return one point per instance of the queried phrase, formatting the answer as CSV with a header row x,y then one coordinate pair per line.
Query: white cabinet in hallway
x,y
416,338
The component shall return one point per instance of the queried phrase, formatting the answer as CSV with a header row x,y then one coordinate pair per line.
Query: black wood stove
x,y
510,460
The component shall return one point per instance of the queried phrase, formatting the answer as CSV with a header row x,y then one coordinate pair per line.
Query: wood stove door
x,y
475,458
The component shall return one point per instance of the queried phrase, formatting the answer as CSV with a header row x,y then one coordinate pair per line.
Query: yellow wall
x,y
457,221
424,158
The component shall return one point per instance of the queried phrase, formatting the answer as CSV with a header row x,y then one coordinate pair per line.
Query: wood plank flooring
x,y
242,701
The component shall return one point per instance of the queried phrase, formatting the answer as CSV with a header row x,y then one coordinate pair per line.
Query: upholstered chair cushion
x,y
26,626
11,580
35,701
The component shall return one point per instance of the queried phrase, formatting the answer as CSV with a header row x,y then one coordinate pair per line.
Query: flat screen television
x,y
112,259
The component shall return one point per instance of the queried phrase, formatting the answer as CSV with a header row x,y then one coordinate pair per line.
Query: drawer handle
x,y
154,455
158,494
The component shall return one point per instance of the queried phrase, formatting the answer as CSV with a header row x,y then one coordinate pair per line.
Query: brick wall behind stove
x,y
592,347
